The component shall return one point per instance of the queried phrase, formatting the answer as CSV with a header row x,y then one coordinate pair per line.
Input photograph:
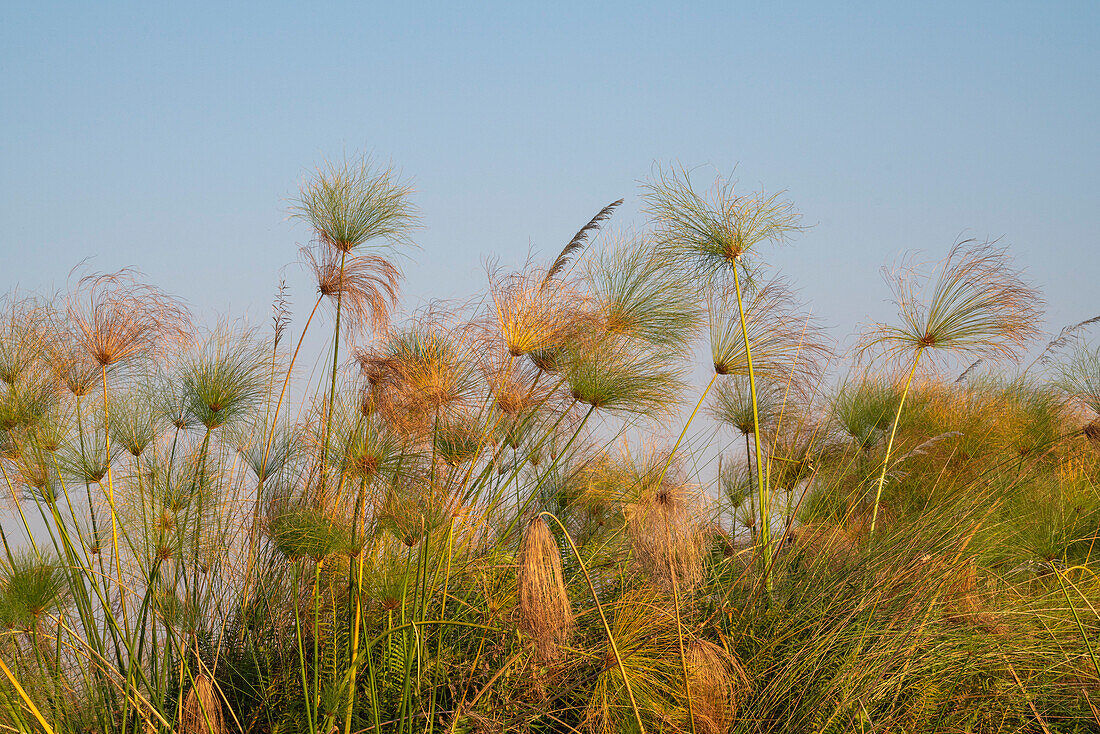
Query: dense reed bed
x,y
502,518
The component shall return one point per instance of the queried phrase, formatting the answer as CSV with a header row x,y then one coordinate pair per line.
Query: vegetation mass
x,y
477,519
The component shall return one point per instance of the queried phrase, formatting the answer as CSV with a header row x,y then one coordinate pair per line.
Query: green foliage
x,y
732,405
355,201
638,294
224,381
31,589
864,408
616,375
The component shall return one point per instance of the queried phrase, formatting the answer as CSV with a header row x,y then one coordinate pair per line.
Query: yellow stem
x,y
111,500
761,485
355,644
679,626
286,381
683,432
26,699
890,443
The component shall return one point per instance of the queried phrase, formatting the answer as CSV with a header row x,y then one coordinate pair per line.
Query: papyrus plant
x,y
975,305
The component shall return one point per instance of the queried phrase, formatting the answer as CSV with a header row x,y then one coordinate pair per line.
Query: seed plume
x,y
365,285
544,610
118,318
202,709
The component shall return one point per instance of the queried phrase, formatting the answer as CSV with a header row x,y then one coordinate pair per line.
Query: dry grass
x,y
545,613
202,709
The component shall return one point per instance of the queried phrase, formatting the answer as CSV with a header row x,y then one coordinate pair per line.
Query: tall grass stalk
x,y
893,434
603,620
762,488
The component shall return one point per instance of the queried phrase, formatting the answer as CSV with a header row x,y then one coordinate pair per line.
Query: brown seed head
x,y
716,683
202,709
364,284
665,532
531,314
545,614
116,318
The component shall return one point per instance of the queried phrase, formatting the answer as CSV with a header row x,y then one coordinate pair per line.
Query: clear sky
x,y
171,138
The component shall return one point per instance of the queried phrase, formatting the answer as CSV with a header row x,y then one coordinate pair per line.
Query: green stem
x,y
1077,618
439,636
534,493
87,484
890,443
286,381
317,639
671,566
356,593
335,365
683,432
19,507
353,668
679,626
301,652
752,497
765,529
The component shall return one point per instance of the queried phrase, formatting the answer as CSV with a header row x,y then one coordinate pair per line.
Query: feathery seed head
x,y
622,376
716,683
280,313
364,285
30,588
732,404
1080,378
976,305
709,233
225,380
133,421
23,336
202,709
545,614
116,318
532,314
786,344
664,526
356,201
637,293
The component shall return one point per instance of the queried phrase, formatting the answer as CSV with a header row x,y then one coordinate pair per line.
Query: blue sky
x,y
171,138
